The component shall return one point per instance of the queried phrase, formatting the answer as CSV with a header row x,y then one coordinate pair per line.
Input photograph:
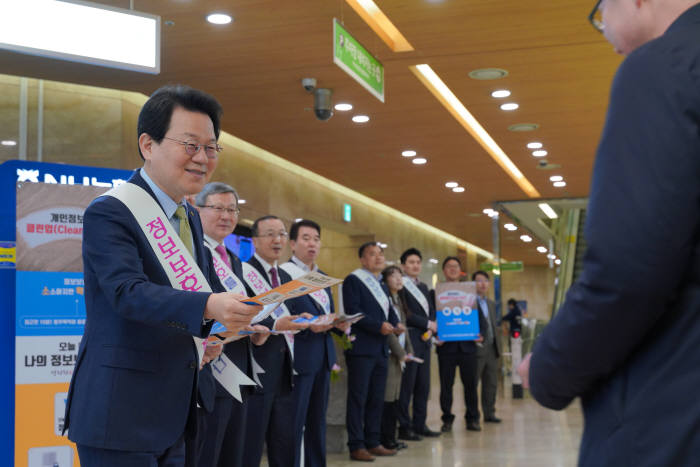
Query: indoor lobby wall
x,y
76,124
535,284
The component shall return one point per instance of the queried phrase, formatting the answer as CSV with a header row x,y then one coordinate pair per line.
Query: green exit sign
x,y
347,212
515,266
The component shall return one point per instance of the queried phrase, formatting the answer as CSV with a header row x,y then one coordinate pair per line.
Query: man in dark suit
x,y
627,340
269,418
489,352
224,426
367,359
133,393
314,351
453,355
420,318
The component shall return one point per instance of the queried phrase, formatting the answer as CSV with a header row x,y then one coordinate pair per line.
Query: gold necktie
x,y
185,231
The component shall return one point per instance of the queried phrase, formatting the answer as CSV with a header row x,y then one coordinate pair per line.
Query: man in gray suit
x,y
489,351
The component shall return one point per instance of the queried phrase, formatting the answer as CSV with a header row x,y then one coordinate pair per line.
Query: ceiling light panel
x,y
381,25
447,98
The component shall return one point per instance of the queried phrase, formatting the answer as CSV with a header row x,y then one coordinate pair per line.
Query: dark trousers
x,y
234,432
174,456
366,384
310,403
415,383
269,421
389,418
487,371
216,444
467,364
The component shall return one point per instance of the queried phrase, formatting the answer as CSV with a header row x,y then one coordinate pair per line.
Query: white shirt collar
x,y
212,242
266,266
169,206
301,264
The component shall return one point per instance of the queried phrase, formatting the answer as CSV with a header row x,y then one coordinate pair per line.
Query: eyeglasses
x,y
221,209
271,235
596,17
193,148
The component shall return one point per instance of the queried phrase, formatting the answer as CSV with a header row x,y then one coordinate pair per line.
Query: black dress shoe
x,y
473,426
400,446
446,427
493,419
427,432
393,444
408,435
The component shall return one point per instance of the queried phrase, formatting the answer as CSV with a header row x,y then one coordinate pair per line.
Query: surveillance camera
x,y
322,103
542,163
309,84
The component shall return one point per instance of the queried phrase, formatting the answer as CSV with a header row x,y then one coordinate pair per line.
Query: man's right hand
x,y
228,309
386,328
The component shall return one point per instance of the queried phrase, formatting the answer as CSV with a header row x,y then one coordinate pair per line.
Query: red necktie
x,y
275,280
224,255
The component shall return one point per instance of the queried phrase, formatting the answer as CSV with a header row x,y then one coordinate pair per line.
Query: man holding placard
x,y
455,301
420,318
367,360
149,300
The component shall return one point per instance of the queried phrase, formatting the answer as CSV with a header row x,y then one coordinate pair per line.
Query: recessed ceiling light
x,y
526,238
521,127
557,262
551,256
343,107
408,153
500,94
458,189
419,160
541,249
298,219
488,73
219,18
8,142
534,145
509,106
559,184
241,201
451,184
556,178
382,245
488,211
539,153
433,260
511,227
360,119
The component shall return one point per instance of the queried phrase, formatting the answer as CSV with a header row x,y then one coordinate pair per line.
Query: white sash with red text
x,y
177,262
259,285
224,370
417,294
320,296
375,289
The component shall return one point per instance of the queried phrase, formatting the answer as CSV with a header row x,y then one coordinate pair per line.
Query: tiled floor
x,y
529,436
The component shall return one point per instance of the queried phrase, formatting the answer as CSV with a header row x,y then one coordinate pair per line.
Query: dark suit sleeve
x,y
111,252
416,319
642,225
353,304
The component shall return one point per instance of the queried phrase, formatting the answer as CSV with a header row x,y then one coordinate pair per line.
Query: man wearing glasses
x,y
133,397
626,339
269,419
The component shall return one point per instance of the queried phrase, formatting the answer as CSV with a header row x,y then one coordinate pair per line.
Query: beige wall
x,y
536,285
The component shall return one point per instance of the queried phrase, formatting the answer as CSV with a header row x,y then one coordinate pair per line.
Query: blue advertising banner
x,y
42,307
457,316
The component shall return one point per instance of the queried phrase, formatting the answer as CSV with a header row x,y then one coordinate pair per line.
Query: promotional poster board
x,y
46,312
457,313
